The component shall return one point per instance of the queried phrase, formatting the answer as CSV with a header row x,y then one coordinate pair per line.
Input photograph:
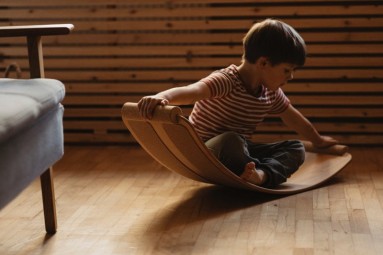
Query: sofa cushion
x,y
29,153
23,101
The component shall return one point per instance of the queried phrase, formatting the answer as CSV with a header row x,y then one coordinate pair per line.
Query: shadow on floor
x,y
208,202
212,201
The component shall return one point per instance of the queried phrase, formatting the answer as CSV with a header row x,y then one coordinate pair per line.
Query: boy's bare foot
x,y
252,175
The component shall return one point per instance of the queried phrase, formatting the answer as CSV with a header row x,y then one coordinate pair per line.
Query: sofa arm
x,y
33,33
35,30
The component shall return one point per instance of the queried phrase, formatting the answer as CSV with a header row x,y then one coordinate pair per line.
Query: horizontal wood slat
x,y
123,11
55,3
309,100
174,76
293,87
110,38
217,25
265,127
114,112
180,63
188,50
122,50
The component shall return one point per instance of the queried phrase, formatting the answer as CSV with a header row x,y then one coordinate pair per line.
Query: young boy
x,y
231,102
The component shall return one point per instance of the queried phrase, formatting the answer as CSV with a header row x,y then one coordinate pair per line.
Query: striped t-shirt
x,y
231,107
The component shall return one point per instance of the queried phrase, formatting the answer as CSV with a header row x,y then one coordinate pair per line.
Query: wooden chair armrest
x,y
35,30
33,33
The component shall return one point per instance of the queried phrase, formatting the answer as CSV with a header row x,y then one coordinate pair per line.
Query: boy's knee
x,y
229,148
227,139
298,150
232,138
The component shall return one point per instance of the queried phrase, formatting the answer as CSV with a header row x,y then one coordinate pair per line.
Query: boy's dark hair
x,y
275,40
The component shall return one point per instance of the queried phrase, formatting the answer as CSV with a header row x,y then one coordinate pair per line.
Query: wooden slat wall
x,y
121,50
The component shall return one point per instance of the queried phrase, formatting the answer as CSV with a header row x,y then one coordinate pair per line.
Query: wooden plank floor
x,y
117,200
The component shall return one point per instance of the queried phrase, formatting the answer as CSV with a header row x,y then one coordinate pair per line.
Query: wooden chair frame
x,y
34,35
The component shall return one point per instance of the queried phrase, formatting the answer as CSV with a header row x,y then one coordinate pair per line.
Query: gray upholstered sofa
x,y
31,128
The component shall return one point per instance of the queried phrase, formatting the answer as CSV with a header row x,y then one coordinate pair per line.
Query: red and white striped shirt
x,y
231,107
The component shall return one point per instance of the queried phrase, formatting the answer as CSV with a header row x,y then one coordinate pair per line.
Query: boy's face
x,y
276,76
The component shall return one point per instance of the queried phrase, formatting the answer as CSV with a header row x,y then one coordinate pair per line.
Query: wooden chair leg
x,y
49,203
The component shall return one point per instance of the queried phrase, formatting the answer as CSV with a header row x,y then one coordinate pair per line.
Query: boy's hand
x,y
326,141
147,105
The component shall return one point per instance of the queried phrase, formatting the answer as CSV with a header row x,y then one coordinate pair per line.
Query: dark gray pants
x,y
278,160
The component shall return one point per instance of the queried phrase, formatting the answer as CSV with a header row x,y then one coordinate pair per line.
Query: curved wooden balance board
x,y
171,139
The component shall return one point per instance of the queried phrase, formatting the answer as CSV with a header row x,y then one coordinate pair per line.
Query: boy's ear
x,y
263,61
